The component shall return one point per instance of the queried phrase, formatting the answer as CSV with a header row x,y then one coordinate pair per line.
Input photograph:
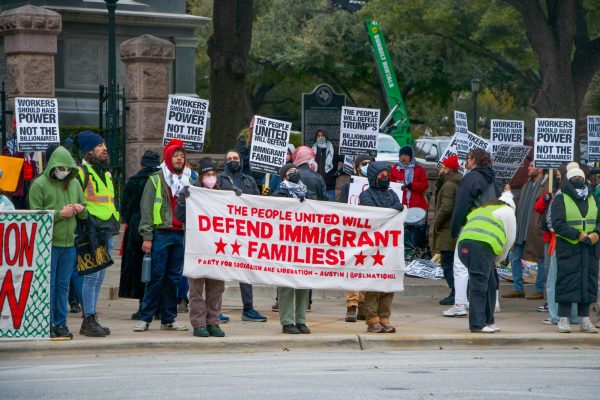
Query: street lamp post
x,y
111,108
475,83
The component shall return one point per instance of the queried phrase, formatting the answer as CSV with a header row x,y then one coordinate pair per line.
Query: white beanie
x,y
572,165
508,197
573,172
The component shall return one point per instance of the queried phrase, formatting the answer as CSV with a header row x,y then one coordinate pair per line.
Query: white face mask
x,y
363,170
209,181
60,175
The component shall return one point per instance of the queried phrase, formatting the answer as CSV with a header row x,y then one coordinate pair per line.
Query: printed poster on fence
x,y
507,159
504,131
554,141
284,242
25,251
359,184
186,120
37,123
270,138
593,130
359,128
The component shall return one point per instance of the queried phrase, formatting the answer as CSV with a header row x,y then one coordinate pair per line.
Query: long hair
x,y
482,158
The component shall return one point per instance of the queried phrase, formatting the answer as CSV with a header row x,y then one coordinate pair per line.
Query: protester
x,y
275,179
97,184
378,305
232,178
355,300
130,285
243,145
483,243
56,189
443,242
293,303
327,159
304,159
576,221
163,237
476,188
28,173
205,294
529,243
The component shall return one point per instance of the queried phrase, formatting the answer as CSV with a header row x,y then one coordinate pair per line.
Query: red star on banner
x,y
220,246
360,258
236,248
378,258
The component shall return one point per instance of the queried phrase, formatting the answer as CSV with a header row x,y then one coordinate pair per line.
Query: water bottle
x,y
146,267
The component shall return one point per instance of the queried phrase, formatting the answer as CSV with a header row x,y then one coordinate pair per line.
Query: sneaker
x,y
485,329
351,314
494,327
302,328
62,332
141,326
563,325
223,318
457,310
514,294
291,329
388,328
275,307
214,330
182,307
447,301
361,314
536,296
586,326
549,321
253,315
173,326
201,331
543,308
52,333
376,328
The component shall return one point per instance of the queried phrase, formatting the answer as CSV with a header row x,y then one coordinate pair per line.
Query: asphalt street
x,y
300,374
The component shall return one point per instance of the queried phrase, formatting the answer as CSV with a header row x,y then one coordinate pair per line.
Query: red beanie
x,y
173,145
451,162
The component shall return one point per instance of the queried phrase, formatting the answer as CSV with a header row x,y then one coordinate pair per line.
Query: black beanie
x,y
283,170
205,165
407,150
150,159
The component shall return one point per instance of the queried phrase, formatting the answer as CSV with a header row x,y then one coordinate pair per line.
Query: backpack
x,y
488,194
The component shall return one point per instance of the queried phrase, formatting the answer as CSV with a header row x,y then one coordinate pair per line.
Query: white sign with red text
x,y
359,184
284,242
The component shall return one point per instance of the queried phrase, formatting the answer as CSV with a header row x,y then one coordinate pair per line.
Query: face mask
x,y
60,175
363,170
233,166
294,177
578,184
209,181
383,183
321,140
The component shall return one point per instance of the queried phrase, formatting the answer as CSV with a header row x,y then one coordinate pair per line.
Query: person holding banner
x,y
326,158
57,190
304,159
576,222
163,236
378,305
232,178
206,295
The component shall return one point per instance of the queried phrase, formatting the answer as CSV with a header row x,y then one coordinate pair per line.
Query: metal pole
x,y
111,110
3,121
475,112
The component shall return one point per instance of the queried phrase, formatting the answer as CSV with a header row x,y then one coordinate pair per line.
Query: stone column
x,y
30,36
147,62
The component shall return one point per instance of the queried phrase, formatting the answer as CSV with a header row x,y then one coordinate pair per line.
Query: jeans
x,y
331,194
61,265
75,286
167,264
92,283
551,294
479,260
183,289
516,255
247,296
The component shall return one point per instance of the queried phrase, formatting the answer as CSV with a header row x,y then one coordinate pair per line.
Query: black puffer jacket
x,y
226,179
376,196
314,182
577,264
470,187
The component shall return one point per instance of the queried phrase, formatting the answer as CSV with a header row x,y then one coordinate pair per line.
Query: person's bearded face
x,y
178,161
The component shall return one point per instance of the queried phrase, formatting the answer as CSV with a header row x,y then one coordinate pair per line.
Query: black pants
x,y
479,257
247,296
448,267
564,309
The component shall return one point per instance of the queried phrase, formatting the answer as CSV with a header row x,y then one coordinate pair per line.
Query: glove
x,y
302,198
238,191
547,198
408,186
266,191
185,191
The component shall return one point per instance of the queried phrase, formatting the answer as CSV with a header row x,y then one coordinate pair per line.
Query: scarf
x,y
328,154
295,189
305,155
409,171
174,181
582,193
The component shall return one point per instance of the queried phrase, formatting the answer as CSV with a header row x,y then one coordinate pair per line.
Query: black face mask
x,y
578,184
294,177
233,166
383,183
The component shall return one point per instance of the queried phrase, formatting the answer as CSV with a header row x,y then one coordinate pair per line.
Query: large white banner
x,y
285,242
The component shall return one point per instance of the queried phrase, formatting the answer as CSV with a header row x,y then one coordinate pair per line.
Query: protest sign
x,y
25,252
460,122
186,120
270,138
504,131
11,171
359,184
554,140
37,123
359,128
288,243
507,160
349,165
593,130
425,269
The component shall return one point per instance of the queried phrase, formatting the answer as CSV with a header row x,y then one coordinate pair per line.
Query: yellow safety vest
x,y
158,200
482,226
100,197
575,220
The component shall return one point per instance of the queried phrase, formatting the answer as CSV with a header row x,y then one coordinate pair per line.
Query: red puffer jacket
x,y
418,188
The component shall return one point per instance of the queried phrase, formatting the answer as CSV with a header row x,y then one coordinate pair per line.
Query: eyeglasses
x,y
364,163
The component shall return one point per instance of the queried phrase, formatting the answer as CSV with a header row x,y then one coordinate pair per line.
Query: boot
x,y
360,315
563,325
587,326
91,328
351,314
105,329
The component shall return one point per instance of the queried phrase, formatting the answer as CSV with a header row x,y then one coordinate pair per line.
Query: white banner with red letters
x,y
284,242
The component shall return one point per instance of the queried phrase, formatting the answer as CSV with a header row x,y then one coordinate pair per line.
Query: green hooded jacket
x,y
48,193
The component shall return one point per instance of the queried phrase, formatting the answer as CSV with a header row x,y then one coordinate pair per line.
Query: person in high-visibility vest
x,y
483,243
576,222
99,192
163,235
